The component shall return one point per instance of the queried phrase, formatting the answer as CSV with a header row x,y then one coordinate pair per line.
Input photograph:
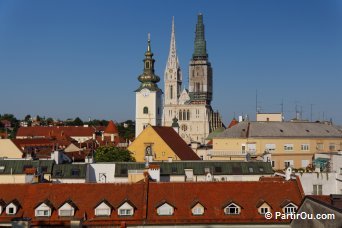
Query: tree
x,y
27,118
77,122
113,154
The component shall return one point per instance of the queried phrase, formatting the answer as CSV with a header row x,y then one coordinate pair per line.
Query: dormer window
x,y
263,207
43,209
290,208
103,209
232,209
165,209
12,208
197,209
67,209
126,209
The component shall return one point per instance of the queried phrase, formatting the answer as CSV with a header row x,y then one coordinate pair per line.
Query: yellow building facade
x,y
288,143
160,144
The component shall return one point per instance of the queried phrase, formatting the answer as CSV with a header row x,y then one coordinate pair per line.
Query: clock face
x,y
170,71
145,92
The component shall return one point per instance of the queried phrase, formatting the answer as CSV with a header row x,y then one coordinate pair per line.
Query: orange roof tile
x,y
233,122
145,196
111,128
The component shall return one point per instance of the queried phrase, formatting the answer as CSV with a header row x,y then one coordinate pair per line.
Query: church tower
x,y
172,75
148,96
200,71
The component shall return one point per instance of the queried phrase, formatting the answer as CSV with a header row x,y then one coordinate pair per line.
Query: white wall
x,y
101,172
327,180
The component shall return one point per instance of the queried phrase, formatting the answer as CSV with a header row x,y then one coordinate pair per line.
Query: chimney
x,y
102,136
94,136
112,137
288,173
169,159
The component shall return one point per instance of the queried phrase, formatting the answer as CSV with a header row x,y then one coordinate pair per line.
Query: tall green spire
x,y
148,79
200,51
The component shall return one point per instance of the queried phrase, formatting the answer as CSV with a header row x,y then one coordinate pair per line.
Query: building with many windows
x,y
286,143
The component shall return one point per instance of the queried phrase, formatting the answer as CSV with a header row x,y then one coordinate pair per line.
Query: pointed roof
x,y
172,61
111,128
148,78
200,51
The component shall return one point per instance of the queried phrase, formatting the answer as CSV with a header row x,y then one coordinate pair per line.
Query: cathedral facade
x,y
191,106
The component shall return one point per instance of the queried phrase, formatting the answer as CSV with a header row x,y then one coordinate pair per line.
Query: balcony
x,y
225,153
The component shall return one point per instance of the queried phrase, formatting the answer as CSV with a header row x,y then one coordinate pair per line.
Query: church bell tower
x,y
148,97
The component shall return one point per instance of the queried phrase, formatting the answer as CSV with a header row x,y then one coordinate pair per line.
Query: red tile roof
x,y
47,131
176,143
214,196
232,123
111,128
145,196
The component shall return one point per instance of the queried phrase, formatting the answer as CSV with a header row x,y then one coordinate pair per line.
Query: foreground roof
x,y
250,129
19,166
145,197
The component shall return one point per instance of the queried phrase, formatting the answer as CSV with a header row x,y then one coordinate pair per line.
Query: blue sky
x,y
82,58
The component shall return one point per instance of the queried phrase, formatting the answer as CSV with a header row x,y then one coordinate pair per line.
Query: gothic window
x,y
198,87
184,115
188,115
145,110
147,65
171,91
180,115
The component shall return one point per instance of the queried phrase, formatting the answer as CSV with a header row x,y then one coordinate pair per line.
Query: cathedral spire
x,y
172,61
200,51
148,79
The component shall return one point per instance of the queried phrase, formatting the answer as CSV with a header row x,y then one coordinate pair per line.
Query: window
x,y
42,213
304,147
171,92
341,171
2,169
332,146
75,172
263,210
251,147
145,110
218,169
232,209
270,147
250,169
290,209
305,163
66,212
317,189
198,209
184,127
273,164
288,163
147,65
174,169
126,212
288,147
188,115
11,211
102,212
165,209
320,146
